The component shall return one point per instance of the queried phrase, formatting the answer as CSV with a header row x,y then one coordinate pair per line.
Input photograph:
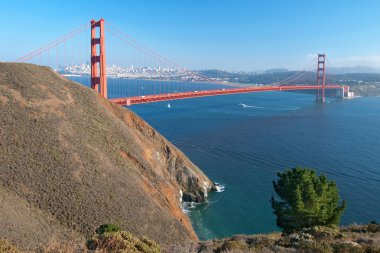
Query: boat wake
x,y
295,108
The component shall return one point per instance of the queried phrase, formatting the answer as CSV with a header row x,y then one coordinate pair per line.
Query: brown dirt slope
x,y
70,161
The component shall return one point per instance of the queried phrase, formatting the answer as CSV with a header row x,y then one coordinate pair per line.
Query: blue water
x,y
244,148
118,87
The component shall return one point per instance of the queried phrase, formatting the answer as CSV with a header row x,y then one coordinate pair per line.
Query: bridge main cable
x,y
54,43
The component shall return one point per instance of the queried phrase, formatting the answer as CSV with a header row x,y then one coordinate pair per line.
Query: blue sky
x,y
229,35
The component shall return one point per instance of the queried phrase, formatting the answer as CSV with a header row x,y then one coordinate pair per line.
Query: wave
x,y
212,202
219,187
187,206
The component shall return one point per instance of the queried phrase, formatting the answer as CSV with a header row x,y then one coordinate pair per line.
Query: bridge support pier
x,y
321,78
98,61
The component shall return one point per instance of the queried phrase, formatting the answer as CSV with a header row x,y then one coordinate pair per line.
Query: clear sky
x,y
230,35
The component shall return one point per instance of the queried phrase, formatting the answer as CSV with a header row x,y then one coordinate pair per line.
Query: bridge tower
x,y
98,59
321,78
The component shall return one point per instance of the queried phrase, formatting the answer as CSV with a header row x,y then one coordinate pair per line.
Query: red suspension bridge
x,y
155,77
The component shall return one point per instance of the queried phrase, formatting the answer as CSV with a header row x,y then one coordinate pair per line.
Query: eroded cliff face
x,y
167,175
81,161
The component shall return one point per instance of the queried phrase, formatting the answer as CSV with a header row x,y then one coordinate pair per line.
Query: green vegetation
x,y
319,239
107,228
122,242
316,247
307,200
347,247
233,245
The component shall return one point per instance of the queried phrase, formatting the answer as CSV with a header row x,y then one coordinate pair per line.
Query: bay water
x,y
243,148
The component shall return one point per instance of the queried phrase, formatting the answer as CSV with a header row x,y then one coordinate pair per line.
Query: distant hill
x,y
350,70
289,77
70,160
276,70
363,84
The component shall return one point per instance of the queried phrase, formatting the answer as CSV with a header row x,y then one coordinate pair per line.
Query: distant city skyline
x,y
226,35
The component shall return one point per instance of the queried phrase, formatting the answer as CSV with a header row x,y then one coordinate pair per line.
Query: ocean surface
x,y
243,148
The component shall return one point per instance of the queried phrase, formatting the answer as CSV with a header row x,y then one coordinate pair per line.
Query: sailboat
x,y
169,106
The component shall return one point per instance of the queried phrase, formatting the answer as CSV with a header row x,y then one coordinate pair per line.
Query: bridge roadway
x,y
206,93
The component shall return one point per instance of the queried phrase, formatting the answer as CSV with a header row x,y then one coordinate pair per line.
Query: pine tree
x,y
306,200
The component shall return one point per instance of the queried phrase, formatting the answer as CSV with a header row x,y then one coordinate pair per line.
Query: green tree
x,y
306,200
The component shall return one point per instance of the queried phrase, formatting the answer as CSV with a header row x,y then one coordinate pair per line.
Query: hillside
x,y
70,161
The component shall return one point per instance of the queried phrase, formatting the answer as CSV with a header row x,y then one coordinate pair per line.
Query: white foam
x,y
219,187
187,206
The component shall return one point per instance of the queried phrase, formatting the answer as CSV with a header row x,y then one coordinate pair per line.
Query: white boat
x,y
169,105
242,105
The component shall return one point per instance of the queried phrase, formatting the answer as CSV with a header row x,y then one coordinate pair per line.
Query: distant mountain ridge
x,y
363,84
350,70
333,76
329,70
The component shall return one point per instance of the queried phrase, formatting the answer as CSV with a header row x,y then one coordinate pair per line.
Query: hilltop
x,y
70,161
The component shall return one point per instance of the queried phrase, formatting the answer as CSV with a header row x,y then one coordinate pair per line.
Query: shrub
x,y
321,232
122,242
373,228
233,245
259,243
315,247
107,228
371,248
348,247
6,247
306,200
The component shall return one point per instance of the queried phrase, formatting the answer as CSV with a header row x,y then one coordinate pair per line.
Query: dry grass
x,y
55,246
351,239
122,242
60,146
6,247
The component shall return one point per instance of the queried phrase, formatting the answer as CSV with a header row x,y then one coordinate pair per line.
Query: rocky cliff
x,y
71,160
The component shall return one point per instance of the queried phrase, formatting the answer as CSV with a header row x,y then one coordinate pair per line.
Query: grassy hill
x,y
71,160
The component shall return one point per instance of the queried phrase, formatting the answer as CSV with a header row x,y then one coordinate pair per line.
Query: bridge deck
x,y
206,93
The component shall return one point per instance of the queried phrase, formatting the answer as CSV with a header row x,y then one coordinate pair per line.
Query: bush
x,y
315,247
373,228
259,243
107,228
122,242
348,247
371,248
320,232
233,245
6,247
306,200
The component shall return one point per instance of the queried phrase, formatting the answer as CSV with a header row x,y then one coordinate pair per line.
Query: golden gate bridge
x,y
160,86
